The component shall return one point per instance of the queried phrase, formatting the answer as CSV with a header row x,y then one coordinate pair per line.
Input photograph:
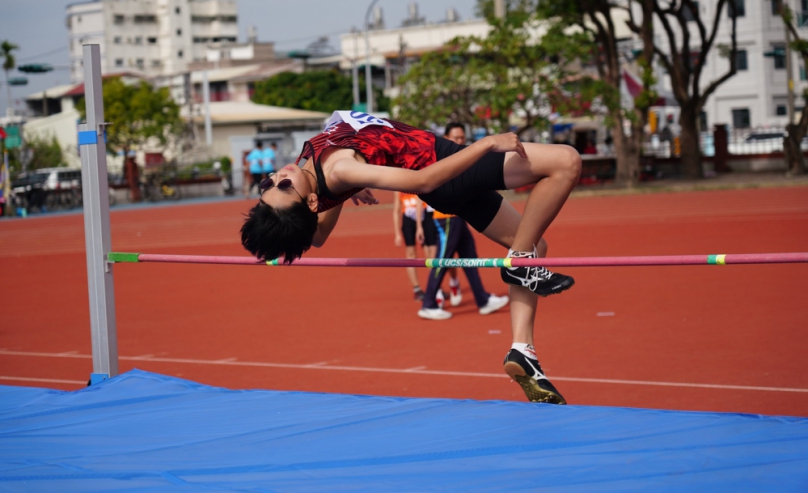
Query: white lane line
x,y
415,369
46,380
262,364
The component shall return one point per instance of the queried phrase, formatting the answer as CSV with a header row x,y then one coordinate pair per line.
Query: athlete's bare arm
x,y
325,224
346,173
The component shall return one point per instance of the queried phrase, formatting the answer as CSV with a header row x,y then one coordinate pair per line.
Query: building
x,y
757,96
391,50
154,37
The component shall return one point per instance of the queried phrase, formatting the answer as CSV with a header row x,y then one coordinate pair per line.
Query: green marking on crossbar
x,y
433,263
717,259
122,257
273,262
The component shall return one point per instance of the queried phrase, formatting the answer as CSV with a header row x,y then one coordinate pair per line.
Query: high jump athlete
x,y
300,205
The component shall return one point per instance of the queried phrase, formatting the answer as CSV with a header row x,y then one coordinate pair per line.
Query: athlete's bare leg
x,y
555,170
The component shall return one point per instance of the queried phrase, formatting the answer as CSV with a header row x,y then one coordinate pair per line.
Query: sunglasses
x,y
282,185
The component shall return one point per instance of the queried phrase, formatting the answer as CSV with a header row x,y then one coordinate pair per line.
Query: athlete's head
x,y
285,220
455,132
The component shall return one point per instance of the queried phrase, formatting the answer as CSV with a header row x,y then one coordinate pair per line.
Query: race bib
x,y
356,119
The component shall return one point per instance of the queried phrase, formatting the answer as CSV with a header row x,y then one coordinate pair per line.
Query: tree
x,y
485,81
319,90
596,19
685,64
38,152
139,114
9,62
795,132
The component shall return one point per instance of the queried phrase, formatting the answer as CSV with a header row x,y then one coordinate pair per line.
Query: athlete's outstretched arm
x,y
348,173
325,225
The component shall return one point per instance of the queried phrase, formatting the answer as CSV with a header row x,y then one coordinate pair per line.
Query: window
x,y
139,63
139,40
179,54
741,62
740,118
177,10
179,32
687,13
228,18
703,121
117,40
155,63
151,40
803,75
118,19
779,56
78,19
739,6
119,62
781,110
145,19
776,6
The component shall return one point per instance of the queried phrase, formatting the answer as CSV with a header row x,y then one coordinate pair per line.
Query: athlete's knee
x,y
570,164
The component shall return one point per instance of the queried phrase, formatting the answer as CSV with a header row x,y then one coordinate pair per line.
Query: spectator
x,y
254,161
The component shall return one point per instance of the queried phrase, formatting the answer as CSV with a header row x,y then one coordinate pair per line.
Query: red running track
x,y
700,338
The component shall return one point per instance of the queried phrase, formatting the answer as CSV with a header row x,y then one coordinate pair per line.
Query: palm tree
x,y
9,62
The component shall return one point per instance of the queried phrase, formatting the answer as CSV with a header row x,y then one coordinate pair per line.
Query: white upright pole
x,y
206,99
95,192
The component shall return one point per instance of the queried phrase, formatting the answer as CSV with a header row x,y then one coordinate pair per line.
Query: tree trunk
x,y
132,177
795,160
627,152
690,149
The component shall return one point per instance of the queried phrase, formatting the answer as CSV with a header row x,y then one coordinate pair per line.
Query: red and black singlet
x,y
391,144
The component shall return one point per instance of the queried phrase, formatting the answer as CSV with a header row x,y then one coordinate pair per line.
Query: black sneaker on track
x,y
528,374
537,279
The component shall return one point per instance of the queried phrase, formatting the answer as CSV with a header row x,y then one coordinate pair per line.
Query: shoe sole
x,y
530,387
558,291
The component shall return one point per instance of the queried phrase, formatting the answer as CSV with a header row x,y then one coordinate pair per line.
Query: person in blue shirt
x,y
255,161
270,159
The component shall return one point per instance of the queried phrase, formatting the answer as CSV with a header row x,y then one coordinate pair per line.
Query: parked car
x,y
48,189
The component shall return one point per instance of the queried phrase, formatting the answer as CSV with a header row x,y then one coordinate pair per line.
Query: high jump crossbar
x,y
721,259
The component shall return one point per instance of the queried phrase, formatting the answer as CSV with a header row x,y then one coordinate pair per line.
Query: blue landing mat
x,y
144,432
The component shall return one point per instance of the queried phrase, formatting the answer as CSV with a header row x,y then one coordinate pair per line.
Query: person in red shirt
x,y
300,205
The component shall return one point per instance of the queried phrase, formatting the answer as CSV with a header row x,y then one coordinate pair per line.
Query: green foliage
x,y
138,113
6,49
484,81
321,90
41,152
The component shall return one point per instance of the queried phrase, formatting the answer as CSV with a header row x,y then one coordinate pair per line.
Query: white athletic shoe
x,y
494,303
434,314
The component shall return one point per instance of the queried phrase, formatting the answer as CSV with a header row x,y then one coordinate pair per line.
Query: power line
x,y
32,57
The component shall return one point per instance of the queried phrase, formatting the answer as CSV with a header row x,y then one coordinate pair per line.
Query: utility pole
x,y
368,82
790,76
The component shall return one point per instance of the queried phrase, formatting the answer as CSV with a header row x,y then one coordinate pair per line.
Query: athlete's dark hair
x,y
452,125
270,233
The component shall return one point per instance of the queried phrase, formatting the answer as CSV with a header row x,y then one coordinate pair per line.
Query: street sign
x,y
13,137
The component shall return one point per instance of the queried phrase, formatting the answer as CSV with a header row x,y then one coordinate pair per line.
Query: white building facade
x,y
154,37
757,95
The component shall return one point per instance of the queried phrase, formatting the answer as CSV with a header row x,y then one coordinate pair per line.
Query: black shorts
x,y
471,195
430,231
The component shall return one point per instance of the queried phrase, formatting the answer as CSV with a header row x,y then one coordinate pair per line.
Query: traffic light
x,y
35,68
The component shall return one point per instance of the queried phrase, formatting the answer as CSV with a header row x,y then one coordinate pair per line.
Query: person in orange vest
x,y
411,225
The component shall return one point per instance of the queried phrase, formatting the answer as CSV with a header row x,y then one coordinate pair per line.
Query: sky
x,y
38,28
